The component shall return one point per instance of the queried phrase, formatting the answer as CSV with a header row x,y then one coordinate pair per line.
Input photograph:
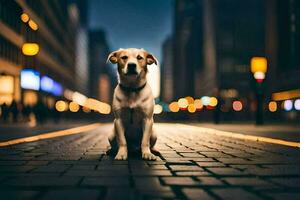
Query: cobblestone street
x,y
194,164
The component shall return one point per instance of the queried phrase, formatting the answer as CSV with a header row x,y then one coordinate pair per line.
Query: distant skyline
x,y
133,23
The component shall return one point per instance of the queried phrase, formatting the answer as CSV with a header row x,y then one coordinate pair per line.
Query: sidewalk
x,y
289,132
16,130
192,165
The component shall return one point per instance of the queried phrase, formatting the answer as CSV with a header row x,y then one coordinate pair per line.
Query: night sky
x,y
133,23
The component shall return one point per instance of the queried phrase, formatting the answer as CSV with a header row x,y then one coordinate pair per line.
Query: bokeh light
x,y
237,105
183,103
288,105
190,99
174,107
297,104
213,101
33,25
272,106
61,106
198,104
24,18
86,109
30,49
158,109
191,108
74,107
205,100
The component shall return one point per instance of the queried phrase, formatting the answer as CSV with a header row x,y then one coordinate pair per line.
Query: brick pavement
x,y
193,165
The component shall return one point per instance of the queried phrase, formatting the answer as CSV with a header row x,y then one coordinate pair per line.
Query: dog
x,y
133,104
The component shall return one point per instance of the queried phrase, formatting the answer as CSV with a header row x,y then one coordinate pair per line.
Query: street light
x,y
259,66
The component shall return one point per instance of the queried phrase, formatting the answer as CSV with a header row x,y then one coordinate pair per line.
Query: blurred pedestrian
x,y
26,112
14,110
40,111
5,112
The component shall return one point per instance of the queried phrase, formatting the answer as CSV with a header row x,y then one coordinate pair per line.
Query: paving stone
x,y
115,193
70,194
12,162
284,195
223,171
106,181
206,167
196,194
149,172
83,167
192,173
242,181
37,162
185,168
18,168
52,168
293,182
235,194
8,194
179,181
192,155
151,187
210,164
209,181
82,173
41,181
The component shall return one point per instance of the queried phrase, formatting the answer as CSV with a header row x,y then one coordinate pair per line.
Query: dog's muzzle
x,y
131,69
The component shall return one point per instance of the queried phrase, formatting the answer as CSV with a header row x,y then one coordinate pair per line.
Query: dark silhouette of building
x,y
214,42
102,74
167,87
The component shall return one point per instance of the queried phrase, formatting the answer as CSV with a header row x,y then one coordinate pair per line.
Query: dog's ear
x,y
113,56
151,59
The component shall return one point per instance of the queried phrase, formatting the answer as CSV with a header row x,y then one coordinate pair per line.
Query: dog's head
x,y
132,63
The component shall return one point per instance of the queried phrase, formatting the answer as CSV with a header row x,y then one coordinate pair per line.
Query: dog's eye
x,y
124,57
139,57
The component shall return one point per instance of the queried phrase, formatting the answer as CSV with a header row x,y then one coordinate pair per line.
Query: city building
x,y
38,51
102,74
167,71
187,47
283,51
214,42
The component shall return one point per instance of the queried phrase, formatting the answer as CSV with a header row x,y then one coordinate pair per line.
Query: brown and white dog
x,y
133,103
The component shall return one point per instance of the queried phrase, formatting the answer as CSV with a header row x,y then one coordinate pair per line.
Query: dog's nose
x,y
131,68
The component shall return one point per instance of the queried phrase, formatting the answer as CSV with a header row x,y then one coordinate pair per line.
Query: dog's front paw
x,y
148,156
121,155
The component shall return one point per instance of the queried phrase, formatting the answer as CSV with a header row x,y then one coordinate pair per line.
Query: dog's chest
x,y
131,101
132,116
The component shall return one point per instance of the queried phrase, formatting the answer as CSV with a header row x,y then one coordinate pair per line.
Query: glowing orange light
x,y
33,25
61,106
24,18
191,108
237,105
198,104
7,84
190,99
30,49
174,107
272,106
213,101
259,64
86,109
74,107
